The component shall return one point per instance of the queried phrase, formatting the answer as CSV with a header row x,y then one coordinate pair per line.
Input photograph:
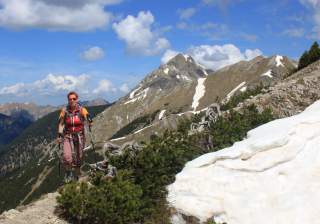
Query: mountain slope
x,y
183,88
11,127
244,75
32,110
171,86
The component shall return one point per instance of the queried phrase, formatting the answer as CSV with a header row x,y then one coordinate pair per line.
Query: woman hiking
x,y
71,133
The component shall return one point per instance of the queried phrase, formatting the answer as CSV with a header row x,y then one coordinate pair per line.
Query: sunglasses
x,y
72,99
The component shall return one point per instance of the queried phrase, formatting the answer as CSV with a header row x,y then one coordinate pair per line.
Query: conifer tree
x,y
310,56
314,53
304,60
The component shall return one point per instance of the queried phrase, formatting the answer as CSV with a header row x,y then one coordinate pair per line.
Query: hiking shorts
x,y
73,145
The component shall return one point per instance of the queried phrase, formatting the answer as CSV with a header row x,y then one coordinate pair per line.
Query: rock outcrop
x,y
291,95
42,211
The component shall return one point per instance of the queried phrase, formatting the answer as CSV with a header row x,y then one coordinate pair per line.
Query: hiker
x,y
71,133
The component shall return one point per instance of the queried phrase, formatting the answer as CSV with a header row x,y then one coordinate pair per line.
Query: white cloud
x,y
93,54
50,85
168,55
138,35
71,15
216,56
16,89
294,32
124,88
186,13
314,5
251,54
104,87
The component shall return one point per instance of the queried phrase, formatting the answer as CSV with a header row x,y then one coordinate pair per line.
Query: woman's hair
x,y
72,93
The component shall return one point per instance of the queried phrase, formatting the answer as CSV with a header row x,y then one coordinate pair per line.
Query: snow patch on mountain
x,y
243,89
136,132
166,71
116,139
268,74
134,92
279,61
205,72
161,114
229,95
193,112
272,176
186,57
199,93
183,77
141,95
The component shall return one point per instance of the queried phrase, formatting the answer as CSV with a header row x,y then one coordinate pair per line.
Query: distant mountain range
x,y
11,127
15,117
34,111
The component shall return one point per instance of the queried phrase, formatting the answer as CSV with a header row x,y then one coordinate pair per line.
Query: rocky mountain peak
x,y
180,69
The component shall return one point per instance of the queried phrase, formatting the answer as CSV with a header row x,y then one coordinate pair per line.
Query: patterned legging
x,y
73,145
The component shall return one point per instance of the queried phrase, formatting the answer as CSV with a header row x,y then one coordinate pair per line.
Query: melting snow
x,y
272,176
204,72
278,61
183,77
140,96
243,89
268,73
142,129
161,114
192,111
186,56
115,139
234,90
199,93
134,92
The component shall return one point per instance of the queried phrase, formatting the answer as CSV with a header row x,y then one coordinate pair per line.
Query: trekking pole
x,y
59,159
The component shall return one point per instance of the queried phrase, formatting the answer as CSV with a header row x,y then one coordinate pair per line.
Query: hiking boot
x,y
68,177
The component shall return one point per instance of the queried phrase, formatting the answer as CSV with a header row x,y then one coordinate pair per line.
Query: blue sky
x,y
105,47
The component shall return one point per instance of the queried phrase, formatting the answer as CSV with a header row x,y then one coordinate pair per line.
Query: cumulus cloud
x,y
168,54
104,86
186,13
216,56
71,15
314,5
138,35
16,89
251,54
50,85
124,88
93,54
